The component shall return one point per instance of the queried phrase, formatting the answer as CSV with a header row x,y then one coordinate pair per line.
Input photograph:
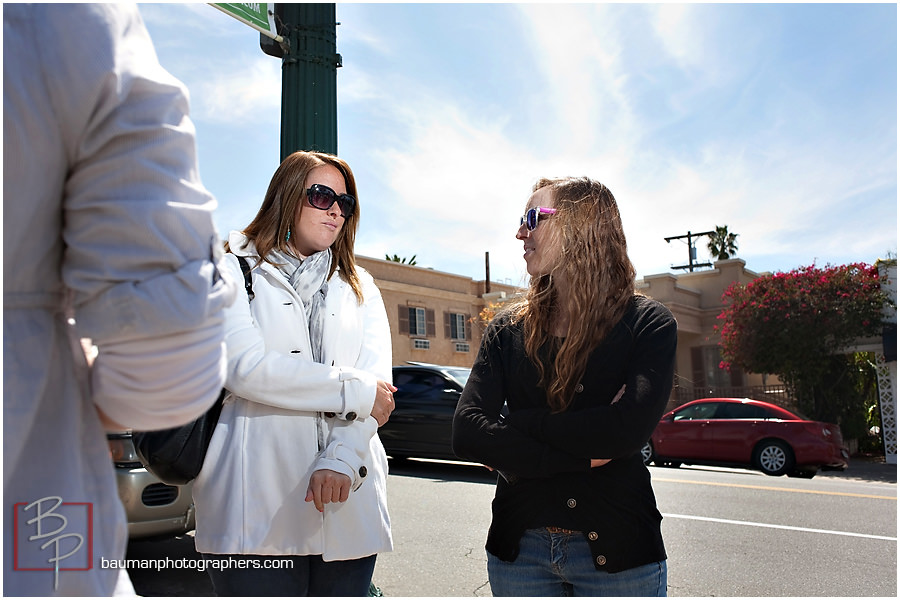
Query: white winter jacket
x,y
287,416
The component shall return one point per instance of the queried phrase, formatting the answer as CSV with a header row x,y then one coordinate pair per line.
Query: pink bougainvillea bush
x,y
795,324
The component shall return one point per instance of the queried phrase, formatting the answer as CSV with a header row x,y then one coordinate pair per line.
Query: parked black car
x,y
422,421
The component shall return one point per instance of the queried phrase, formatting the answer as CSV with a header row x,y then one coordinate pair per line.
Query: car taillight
x,y
121,448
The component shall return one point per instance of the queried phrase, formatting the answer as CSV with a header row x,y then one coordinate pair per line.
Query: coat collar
x,y
241,246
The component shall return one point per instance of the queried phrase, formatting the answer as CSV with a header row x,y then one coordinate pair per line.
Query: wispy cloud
x,y
694,115
229,77
234,95
584,81
453,192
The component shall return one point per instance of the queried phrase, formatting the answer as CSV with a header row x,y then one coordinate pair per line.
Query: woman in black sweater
x,y
568,385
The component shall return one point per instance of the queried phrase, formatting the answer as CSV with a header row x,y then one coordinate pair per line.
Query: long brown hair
x,y
593,259
276,215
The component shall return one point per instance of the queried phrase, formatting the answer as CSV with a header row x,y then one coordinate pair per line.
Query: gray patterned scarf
x,y
309,279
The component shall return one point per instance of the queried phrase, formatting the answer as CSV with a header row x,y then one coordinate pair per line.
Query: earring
x,y
288,236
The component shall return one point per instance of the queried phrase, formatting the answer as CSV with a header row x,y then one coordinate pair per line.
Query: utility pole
x,y
309,63
692,249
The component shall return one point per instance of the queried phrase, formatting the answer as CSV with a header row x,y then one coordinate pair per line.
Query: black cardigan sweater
x,y
544,458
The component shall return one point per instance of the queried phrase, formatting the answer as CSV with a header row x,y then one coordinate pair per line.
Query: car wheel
x,y
774,457
647,453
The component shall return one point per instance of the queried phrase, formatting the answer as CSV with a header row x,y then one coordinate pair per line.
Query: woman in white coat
x,y
295,469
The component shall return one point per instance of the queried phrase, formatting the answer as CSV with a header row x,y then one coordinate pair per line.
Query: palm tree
x,y
722,245
395,258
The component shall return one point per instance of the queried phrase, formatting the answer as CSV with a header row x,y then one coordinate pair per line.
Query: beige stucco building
x,y
434,319
695,299
433,314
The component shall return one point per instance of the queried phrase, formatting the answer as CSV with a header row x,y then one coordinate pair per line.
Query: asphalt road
x,y
728,532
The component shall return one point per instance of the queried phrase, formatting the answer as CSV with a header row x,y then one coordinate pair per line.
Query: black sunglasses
x,y
323,197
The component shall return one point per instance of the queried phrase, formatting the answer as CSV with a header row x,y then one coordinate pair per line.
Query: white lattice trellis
x,y
887,399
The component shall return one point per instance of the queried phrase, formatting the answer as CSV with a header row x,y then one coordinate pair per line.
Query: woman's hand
x,y
327,486
384,402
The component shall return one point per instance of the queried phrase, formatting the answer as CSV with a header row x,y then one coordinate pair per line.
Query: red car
x,y
745,433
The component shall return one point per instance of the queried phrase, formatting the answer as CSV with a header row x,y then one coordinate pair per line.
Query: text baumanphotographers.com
x,y
196,564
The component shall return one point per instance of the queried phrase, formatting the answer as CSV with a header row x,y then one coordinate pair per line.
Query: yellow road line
x,y
775,489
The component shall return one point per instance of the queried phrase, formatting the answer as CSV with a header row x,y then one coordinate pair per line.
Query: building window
x,y
462,347
416,321
421,345
457,326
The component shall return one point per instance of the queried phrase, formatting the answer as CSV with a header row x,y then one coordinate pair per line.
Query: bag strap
x,y
248,285
248,281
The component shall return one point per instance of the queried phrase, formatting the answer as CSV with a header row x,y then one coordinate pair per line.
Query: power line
x,y
692,250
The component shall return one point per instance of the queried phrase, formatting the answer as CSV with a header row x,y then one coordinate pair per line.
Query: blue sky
x,y
777,120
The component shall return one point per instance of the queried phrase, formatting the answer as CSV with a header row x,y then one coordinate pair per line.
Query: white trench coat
x,y
277,427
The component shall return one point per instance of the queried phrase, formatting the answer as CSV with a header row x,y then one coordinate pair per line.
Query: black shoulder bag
x,y
175,456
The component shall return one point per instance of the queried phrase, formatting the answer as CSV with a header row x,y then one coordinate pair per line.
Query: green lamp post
x,y
308,76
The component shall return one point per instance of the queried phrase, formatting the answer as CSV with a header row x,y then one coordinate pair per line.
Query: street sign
x,y
258,15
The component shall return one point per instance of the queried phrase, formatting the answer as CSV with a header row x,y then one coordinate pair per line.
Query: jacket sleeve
x,y
622,428
268,375
142,258
348,448
481,435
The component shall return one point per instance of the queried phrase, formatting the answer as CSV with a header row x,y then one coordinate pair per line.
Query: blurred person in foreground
x,y
292,498
107,235
583,366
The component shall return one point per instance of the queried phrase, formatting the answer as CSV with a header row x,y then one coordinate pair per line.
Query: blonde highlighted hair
x,y
287,190
593,259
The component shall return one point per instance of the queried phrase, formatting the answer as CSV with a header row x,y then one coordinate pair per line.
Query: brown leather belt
x,y
560,530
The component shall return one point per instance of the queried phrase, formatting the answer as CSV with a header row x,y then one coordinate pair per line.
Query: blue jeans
x,y
561,564
307,576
